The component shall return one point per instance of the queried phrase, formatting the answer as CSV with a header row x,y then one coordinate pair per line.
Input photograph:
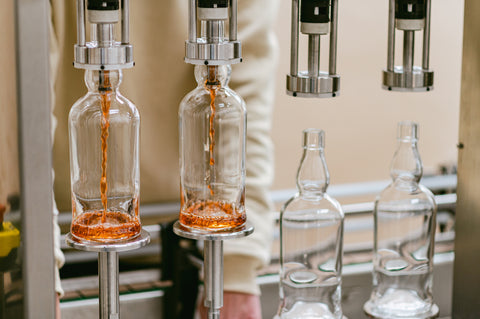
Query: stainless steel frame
x,y
34,113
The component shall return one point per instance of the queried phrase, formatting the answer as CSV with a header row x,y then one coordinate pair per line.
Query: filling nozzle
x,y
408,16
103,51
212,46
314,18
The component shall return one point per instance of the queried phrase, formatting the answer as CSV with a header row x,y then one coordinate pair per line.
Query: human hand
x,y
237,306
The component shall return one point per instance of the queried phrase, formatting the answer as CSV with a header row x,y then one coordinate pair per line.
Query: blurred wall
x,y
360,124
8,105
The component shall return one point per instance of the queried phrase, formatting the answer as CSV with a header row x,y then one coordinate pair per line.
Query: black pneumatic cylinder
x,y
410,9
315,11
213,3
103,5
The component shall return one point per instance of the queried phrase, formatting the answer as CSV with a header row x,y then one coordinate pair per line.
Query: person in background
x,y
156,85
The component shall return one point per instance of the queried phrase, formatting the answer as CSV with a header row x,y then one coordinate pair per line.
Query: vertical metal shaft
x,y
313,54
332,62
108,287
125,21
81,22
294,39
426,36
233,20
192,21
2,296
408,50
213,272
391,36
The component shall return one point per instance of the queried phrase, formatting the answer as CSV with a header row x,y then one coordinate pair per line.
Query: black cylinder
x,y
315,11
213,3
410,9
103,5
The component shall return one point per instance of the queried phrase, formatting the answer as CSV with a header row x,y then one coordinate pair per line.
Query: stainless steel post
x,y
408,50
2,296
125,21
294,39
108,285
233,20
213,272
313,55
192,21
426,36
81,22
332,63
391,36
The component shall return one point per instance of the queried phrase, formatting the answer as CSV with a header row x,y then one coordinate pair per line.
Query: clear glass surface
x,y
311,235
212,153
104,139
404,233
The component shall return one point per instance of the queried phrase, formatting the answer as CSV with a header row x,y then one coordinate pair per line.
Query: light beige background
x,y
360,124
8,108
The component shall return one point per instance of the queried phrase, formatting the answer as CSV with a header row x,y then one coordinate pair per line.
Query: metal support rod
x,y
294,39
81,22
213,272
192,21
108,285
426,36
408,50
125,21
391,36
233,20
2,297
332,63
313,55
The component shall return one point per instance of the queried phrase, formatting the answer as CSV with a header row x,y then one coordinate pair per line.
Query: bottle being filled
x,y
404,237
212,153
104,135
311,237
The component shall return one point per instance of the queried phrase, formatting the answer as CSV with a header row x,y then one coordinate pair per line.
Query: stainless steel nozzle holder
x,y
408,16
109,301
213,261
211,47
102,52
314,18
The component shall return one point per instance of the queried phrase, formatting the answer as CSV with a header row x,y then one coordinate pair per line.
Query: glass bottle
x,y
212,153
404,217
311,235
104,138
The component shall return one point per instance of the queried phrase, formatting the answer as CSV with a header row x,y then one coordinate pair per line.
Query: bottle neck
x,y
406,165
312,175
212,75
99,81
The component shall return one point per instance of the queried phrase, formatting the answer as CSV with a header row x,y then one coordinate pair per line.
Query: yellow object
x,y
9,239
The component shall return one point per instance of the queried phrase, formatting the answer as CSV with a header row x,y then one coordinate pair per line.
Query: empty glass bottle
x,y
311,234
212,153
404,237
104,137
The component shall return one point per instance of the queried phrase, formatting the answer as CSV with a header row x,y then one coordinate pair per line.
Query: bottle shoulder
x,y
415,197
91,103
200,97
322,205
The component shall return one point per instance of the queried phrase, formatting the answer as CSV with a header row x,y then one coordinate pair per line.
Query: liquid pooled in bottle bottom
x,y
104,226
212,215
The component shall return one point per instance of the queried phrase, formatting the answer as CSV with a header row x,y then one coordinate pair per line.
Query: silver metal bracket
x,y
304,85
225,53
91,57
418,80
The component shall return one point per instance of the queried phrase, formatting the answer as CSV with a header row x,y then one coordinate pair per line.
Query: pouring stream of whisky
x,y
105,94
212,85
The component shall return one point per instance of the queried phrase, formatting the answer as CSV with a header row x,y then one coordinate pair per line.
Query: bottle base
x,y
105,227
372,312
212,216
